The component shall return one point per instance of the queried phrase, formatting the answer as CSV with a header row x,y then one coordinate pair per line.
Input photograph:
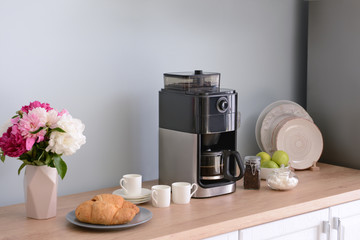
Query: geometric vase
x,y
40,189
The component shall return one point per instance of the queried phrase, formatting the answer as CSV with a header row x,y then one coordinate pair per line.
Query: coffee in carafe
x,y
214,165
211,166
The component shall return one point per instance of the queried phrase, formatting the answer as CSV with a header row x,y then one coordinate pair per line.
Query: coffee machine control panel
x,y
222,104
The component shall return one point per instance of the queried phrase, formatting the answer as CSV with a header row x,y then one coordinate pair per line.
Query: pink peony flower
x,y
36,104
15,120
63,112
12,143
31,122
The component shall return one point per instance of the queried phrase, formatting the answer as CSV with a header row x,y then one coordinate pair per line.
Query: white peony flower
x,y
52,118
69,142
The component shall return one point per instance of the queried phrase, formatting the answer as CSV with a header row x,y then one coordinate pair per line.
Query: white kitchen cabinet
x,y
226,236
345,221
340,222
305,226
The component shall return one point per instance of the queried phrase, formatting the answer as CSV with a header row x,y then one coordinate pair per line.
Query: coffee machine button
x,y
222,104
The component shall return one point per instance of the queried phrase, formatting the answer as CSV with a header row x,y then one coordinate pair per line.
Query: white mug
x,y
181,192
131,184
160,195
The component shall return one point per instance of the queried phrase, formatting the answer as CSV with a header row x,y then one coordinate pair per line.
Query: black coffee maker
x,y
197,133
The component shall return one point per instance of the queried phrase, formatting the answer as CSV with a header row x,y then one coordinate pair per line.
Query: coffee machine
x,y
197,133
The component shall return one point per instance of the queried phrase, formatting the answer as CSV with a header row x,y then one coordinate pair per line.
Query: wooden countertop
x,y
201,218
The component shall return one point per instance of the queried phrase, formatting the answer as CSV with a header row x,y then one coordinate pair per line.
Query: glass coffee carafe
x,y
215,165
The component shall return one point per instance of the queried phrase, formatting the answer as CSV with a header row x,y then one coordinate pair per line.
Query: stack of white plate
x,y
145,196
285,125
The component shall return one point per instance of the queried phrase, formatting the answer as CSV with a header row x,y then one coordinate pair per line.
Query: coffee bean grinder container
x,y
197,133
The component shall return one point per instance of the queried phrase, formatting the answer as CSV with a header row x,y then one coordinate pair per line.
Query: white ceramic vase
x,y
40,188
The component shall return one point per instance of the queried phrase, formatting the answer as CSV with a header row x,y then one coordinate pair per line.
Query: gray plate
x,y
142,217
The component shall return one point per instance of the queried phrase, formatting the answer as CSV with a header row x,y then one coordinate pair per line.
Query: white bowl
x,y
265,172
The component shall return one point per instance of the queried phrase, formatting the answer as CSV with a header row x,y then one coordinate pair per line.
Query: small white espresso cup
x,y
181,192
131,184
160,195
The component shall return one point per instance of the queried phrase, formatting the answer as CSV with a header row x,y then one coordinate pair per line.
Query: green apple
x,y
264,157
269,164
280,157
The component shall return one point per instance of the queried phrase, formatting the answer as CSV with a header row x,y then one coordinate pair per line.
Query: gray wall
x,y
334,78
104,60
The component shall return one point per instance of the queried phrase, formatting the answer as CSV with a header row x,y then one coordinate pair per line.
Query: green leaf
x,y
25,156
38,163
58,129
60,166
21,167
2,156
51,164
34,132
42,145
40,157
47,158
29,154
27,162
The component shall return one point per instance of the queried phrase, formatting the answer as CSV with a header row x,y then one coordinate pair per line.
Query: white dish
x,y
301,139
274,117
145,193
143,216
276,130
140,201
261,118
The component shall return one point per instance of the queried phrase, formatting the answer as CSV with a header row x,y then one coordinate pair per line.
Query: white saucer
x,y
139,201
145,193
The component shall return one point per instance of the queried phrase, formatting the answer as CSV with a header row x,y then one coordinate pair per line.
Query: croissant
x,y
106,209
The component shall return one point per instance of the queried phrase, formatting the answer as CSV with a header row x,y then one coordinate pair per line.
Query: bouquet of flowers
x,y
40,135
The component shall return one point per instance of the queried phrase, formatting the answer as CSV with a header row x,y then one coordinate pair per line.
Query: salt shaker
x,y
252,172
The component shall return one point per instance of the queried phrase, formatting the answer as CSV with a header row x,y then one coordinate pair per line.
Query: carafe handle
x,y
226,158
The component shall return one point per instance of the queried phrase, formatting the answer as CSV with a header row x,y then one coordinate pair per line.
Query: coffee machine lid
x,y
192,81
